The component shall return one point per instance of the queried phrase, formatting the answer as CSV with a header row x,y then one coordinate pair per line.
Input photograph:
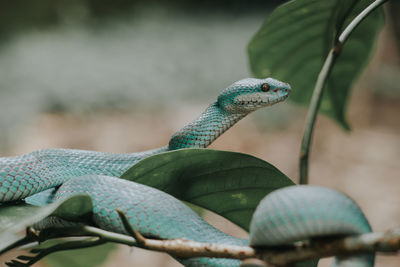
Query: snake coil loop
x,y
301,212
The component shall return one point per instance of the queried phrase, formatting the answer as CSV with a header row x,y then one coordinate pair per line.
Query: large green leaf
x,y
228,183
16,217
295,39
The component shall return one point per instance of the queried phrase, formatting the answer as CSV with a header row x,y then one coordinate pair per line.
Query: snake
x,y
284,216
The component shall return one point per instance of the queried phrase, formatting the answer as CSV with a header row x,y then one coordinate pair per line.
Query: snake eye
x,y
265,87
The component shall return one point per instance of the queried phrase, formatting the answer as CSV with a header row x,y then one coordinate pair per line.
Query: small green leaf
x,y
228,183
75,208
16,217
295,39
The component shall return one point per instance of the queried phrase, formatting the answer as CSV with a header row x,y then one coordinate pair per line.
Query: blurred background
x,y
122,76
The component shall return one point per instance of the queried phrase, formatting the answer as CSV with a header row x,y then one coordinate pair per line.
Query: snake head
x,y
250,94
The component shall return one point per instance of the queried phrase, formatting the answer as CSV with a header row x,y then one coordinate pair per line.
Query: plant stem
x,y
357,20
312,115
323,76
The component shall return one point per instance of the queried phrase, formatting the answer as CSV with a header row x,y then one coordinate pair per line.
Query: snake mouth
x,y
259,100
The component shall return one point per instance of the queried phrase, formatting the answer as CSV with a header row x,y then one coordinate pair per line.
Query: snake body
x,y
157,214
298,213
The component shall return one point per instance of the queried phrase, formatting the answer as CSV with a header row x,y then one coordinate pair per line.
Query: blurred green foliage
x,y
19,15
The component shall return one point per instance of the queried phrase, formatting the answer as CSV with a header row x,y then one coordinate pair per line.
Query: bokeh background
x,y
122,76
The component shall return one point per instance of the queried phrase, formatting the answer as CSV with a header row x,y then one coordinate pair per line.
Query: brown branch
x,y
140,240
387,242
182,248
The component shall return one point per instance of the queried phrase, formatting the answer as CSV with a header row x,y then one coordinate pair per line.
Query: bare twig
x,y
140,240
323,76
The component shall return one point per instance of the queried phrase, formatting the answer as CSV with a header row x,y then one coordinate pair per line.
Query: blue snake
x,y
283,217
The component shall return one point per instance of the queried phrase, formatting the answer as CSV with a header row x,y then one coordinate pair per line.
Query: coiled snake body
x,y
283,217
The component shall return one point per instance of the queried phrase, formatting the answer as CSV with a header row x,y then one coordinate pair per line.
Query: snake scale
x,y
283,217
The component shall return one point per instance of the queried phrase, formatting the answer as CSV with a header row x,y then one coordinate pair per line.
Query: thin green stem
x,y
110,236
318,92
357,20
312,115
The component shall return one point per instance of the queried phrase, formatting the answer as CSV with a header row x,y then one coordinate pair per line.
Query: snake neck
x,y
200,133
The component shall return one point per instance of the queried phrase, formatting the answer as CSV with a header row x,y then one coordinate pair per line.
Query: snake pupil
x,y
265,87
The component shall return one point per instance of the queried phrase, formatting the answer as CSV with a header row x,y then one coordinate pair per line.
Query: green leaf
x,y
16,217
228,183
88,257
75,208
294,41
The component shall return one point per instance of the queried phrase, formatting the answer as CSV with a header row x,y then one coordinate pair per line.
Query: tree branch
x,y
386,242
344,246
340,246
182,248
323,76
